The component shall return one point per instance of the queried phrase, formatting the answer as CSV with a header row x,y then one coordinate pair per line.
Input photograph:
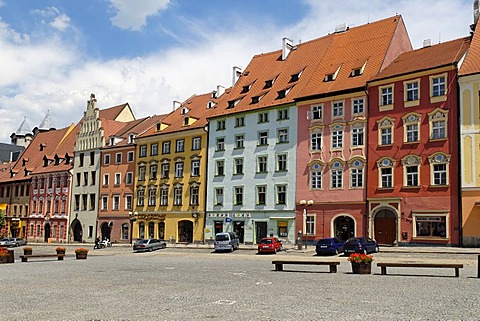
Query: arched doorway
x,y
385,226
76,228
106,230
161,230
185,231
46,234
344,227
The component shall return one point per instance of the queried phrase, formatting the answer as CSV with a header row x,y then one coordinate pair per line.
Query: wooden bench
x,y
383,266
332,264
26,257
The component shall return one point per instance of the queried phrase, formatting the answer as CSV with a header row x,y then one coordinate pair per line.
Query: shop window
x,y
430,226
282,229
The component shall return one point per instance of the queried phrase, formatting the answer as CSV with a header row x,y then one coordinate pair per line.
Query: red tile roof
x,y
112,112
443,54
341,51
471,64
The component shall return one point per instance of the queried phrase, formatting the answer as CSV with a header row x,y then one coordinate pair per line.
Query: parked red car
x,y
269,245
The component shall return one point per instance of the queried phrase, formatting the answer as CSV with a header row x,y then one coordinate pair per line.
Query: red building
x,y
413,186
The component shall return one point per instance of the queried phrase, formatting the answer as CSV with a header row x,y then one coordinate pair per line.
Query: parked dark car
x,y
149,245
329,245
269,245
363,245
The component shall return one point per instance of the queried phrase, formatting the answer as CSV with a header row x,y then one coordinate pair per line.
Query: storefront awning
x,y
282,217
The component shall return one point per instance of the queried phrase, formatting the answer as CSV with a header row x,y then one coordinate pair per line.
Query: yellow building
x,y
170,175
469,84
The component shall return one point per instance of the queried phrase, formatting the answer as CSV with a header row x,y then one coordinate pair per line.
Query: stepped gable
x,y
43,144
368,46
443,54
195,108
471,64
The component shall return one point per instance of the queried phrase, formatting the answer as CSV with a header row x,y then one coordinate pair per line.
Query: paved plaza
x,y
197,284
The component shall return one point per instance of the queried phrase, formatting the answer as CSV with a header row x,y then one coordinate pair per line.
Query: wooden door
x,y
385,227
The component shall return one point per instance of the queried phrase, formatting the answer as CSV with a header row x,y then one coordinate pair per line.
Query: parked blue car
x,y
363,245
329,245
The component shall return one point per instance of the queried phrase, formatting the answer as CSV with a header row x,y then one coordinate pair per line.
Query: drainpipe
x,y
367,214
459,165
206,129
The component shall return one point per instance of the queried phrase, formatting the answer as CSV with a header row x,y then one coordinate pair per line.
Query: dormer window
x,y
356,72
131,138
269,83
358,68
42,146
233,103
185,121
332,74
256,99
210,104
158,126
246,89
329,77
112,141
283,93
295,77
184,110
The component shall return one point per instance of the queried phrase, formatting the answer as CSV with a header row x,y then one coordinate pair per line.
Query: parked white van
x,y
226,241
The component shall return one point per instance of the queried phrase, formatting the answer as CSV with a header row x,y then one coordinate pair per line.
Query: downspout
x,y
367,214
459,164
206,129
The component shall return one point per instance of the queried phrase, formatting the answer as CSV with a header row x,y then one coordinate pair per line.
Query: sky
x,y
149,53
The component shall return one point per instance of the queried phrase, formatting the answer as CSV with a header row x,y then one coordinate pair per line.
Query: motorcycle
x,y
102,244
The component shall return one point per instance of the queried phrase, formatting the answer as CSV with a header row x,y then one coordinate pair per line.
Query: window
x,y
177,195
153,171
220,144
263,138
239,121
238,195
93,175
239,141
179,169
129,178
118,178
411,124
357,136
430,225
166,148
104,203
385,166
195,167
411,89
221,124
386,136
196,143
268,84
118,158
92,158
130,156
337,137
281,194
106,179
125,231
152,196
81,158
238,166
282,114
282,135
262,164
128,202
153,149
92,202
317,111
116,202
281,162
218,196
194,195
386,96
180,145
164,196
106,159
220,168
310,224
143,151
263,117
385,126
336,176
437,86
356,174
261,195
439,169
411,173
316,176
337,109
165,170
438,123
85,178
141,173
358,106
79,175
316,141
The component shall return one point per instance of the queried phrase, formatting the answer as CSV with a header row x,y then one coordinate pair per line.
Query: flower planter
x,y
27,252
3,259
81,256
361,268
60,258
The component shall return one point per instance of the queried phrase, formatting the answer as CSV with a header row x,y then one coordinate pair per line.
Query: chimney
x,y
427,43
220,91
476,11
287,46
237,72
176,104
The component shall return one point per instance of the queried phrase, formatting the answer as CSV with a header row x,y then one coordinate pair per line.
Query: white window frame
x,y
439,159
282,160
358,106
281,194
179,167
164,196
218,196
195,167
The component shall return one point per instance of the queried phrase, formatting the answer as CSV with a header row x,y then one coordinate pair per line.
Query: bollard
x,y
299,243
478,267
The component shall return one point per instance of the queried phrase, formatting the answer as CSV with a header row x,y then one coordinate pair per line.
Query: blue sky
x,y
54,53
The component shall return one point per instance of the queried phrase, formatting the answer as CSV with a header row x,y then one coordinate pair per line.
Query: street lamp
x,y
305,204
133,218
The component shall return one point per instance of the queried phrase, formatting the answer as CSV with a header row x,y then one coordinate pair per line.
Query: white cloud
x,y
58,20
61,22
133,14
2,3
